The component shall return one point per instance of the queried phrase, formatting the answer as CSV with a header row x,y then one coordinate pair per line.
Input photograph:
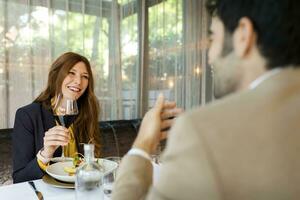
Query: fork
x,y
38,193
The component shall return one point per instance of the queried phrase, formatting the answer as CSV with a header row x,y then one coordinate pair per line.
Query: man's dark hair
x,y
276,22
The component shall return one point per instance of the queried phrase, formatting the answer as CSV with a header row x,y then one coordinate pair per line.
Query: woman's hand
x,y
155,124
55,137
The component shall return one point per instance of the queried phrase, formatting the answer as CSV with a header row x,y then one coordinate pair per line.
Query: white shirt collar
x,y
264,77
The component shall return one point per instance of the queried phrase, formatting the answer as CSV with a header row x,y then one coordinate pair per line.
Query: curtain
x,y
125,41
178,53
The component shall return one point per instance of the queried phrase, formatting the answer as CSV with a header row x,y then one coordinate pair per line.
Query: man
x,y
246,145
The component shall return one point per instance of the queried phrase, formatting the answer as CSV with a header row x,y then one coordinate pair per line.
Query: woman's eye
x,y
72,73
86,77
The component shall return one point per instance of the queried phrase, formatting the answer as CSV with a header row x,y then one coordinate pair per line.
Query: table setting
x,y
56,184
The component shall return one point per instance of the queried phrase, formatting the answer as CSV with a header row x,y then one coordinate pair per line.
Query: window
x,y
109,33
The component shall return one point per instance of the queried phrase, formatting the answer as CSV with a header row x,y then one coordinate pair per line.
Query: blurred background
x,y
137,48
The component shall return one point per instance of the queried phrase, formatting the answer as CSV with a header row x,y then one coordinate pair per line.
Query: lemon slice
x,y
70,170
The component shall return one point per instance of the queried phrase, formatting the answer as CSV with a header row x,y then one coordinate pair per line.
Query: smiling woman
x,y
38,137
76,81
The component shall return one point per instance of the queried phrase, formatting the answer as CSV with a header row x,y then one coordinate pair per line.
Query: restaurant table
x,y
24,190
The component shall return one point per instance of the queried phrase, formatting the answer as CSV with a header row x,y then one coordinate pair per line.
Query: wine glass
x,y
64,107
116,159
109,179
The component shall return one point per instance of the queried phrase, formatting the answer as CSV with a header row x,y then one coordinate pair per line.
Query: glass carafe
x,y
88,177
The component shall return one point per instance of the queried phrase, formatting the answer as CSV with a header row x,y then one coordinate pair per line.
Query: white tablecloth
x,y
23,190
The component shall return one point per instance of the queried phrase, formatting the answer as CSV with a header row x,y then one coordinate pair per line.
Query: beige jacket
x,y
246,146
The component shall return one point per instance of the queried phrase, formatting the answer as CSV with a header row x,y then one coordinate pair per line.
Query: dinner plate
x,y
56,170
56,183
61,159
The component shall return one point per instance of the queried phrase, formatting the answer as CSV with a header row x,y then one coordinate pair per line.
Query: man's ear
x,y
244,37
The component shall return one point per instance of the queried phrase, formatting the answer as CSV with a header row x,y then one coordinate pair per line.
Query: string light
x,y
171,84
198,71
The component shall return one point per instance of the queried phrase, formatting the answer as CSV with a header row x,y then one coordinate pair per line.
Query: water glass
x,y
107,183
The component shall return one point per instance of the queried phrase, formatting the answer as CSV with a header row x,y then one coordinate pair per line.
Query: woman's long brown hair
x,y
86,127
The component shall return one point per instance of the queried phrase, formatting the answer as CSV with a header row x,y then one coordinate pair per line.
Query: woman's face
x,y
76,82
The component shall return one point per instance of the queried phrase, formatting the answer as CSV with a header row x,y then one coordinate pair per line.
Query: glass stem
x,y
62,151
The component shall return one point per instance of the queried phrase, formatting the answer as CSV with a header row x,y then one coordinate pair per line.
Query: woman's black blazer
x,y
31,123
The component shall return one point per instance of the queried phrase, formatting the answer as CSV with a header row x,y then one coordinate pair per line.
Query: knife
x,y
38,193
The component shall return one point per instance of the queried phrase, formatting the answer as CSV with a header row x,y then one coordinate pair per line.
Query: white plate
x,y
56,170
61,159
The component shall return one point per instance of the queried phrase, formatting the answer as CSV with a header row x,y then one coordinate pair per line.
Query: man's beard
x,y
226,71
226,75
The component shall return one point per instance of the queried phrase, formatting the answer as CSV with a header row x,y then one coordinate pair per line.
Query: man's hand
x,y
155,124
